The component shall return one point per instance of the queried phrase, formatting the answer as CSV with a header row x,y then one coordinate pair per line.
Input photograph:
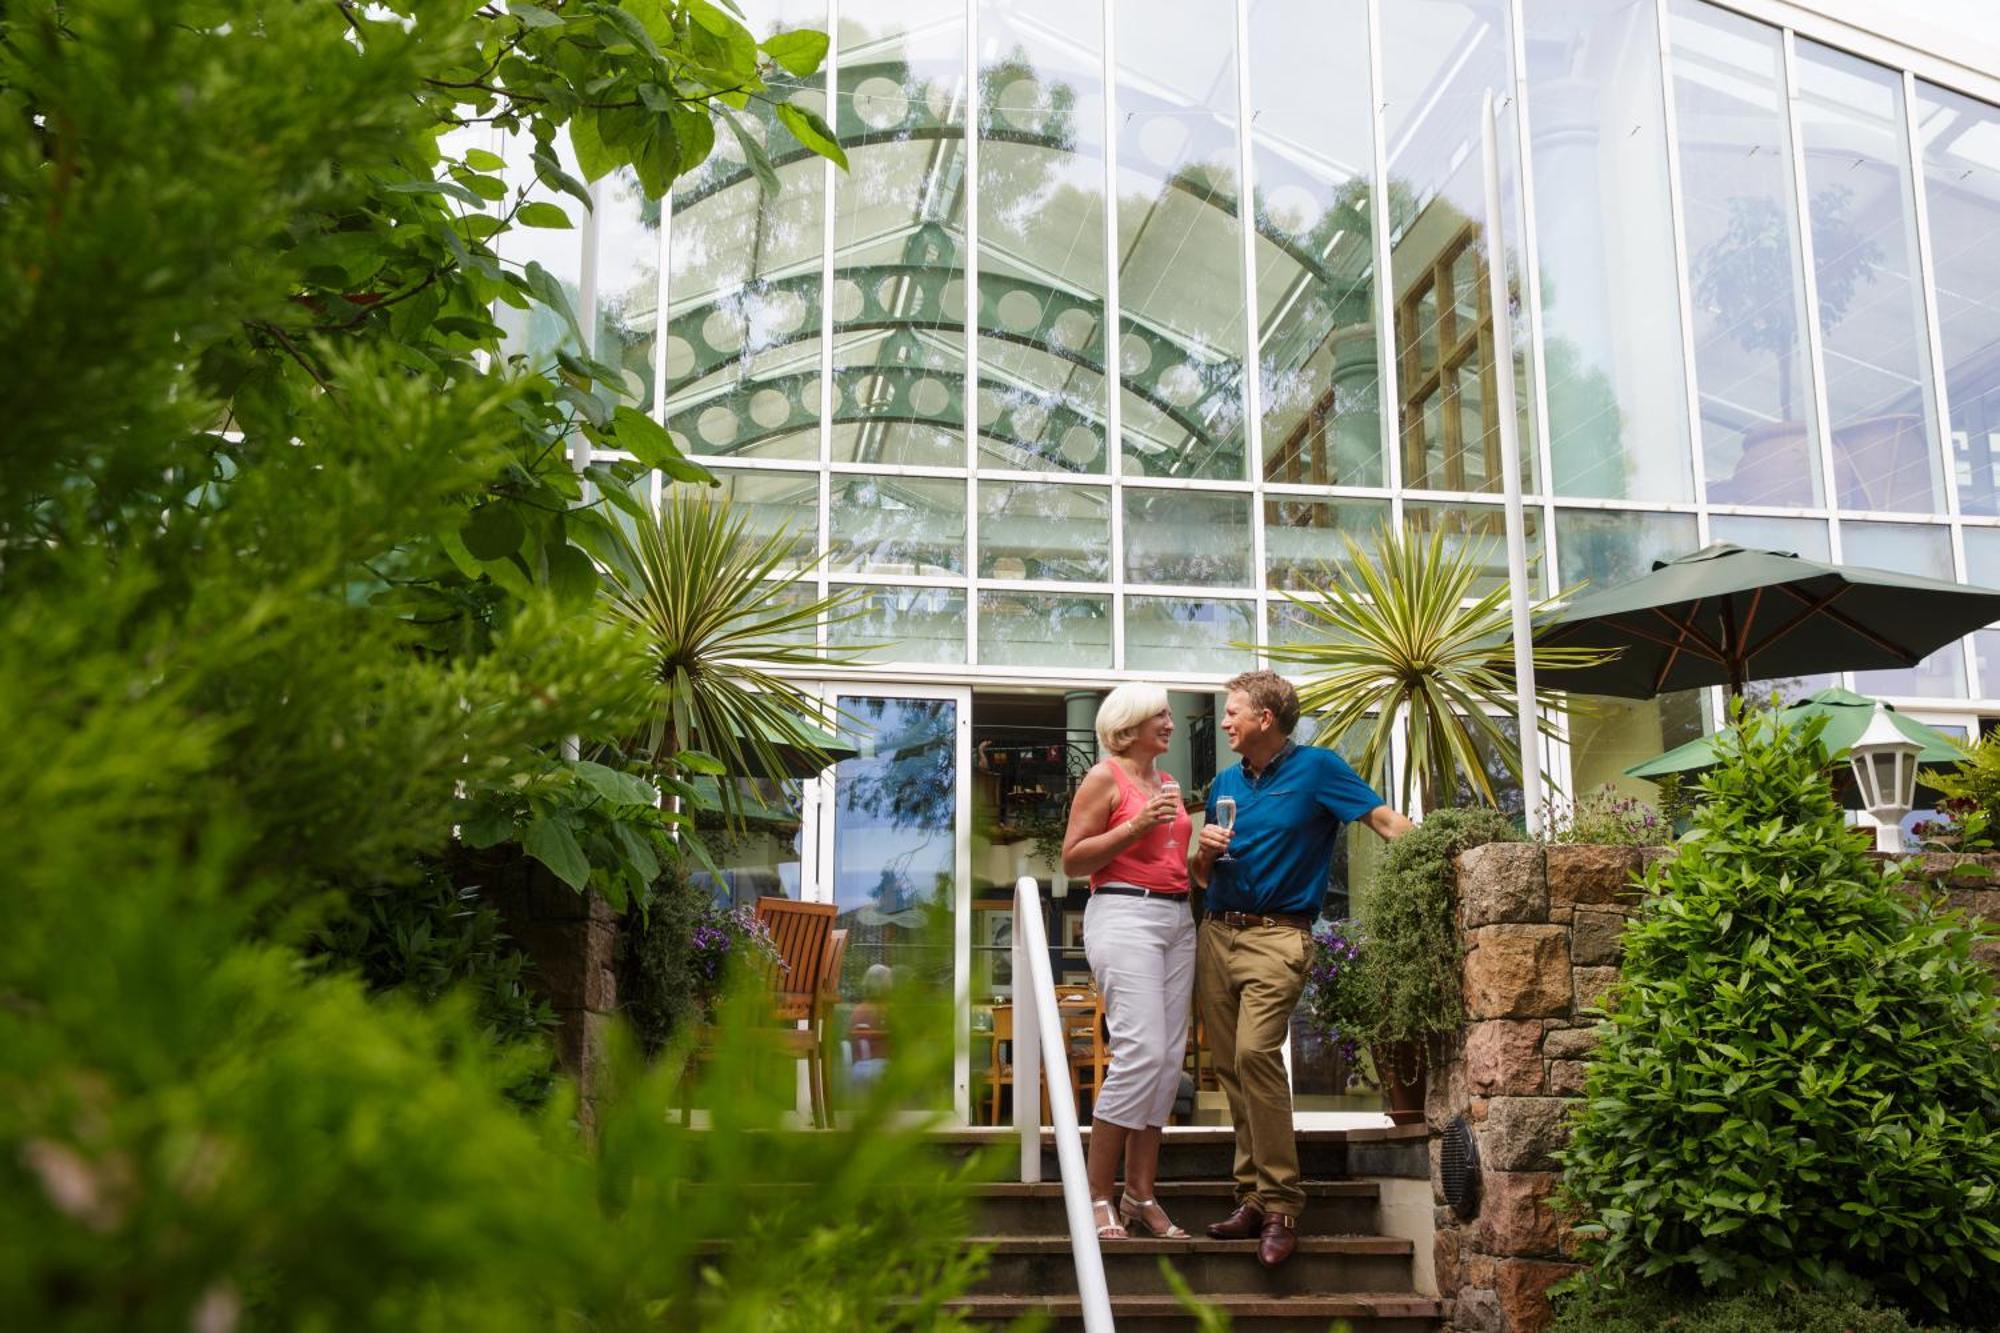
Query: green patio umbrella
x,y
1726,616
793,756
1846,714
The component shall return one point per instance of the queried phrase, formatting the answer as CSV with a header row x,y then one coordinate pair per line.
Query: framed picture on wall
x,y
1072,930
992,949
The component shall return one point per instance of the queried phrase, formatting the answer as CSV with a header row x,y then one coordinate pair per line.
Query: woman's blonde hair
x,y
1119,716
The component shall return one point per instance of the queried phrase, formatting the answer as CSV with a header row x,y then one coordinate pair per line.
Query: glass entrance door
x,y
895,851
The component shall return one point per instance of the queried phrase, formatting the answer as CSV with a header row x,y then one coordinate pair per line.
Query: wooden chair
x,y
1083,1035
1000,1064
799,989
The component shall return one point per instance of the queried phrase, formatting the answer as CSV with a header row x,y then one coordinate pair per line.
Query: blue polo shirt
x,y
1286,820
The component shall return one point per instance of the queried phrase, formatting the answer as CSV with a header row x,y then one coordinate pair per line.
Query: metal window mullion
x,y
1389,393
971,378
1677,217
1253,395
827,218
1531,292
1114,439
1815,352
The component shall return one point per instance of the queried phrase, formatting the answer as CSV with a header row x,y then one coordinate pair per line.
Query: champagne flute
x,y
1169,787
1225,815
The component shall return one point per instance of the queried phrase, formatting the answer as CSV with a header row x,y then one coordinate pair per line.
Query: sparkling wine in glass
x,y
1169,787
1225,815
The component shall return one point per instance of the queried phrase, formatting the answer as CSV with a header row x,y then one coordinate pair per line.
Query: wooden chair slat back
x,y
829,981
800,931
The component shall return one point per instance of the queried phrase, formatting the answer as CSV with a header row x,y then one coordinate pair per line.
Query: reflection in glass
x,y
899,235
1982,557
1041,235
1609,736
1760,532
628,282
1961,141
761,859
743,280
1986,647
1180,253
1864,265
1439,58
1187,634
1746,271
1187,537
537,332
1617,400
1035,530
1907,548
1311,151
1483,530
898,525
905,625
1042,629
1609,546
768,501
1305,541
895,843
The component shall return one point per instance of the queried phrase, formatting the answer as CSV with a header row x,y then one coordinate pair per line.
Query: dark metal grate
x,y
1458,1167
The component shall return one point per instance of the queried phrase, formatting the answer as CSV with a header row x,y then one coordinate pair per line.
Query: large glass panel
x,y
904,625
1187,634
1187,537
1044,630
1305,540
1608,736
759,856
1760,532
1864,270
537,331
1908,548
898,525
895,843
899,235
1310,114
628,282
1041,235
1746,270
1439,59
1038,530
743,280
768,502
1617,396
1481,530
1180,253
1609,546
1961,140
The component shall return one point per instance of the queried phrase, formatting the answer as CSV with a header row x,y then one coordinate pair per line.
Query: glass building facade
x,y
1129,312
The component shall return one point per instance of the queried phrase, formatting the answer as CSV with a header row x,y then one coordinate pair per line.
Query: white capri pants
x,y
1141,951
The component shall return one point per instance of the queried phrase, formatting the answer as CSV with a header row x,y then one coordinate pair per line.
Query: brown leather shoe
x,y
1281,1237
1245,1222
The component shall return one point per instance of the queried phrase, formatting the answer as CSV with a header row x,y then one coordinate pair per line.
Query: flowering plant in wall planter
x,y
1335,1002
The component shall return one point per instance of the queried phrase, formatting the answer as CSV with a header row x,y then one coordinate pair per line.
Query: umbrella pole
x,y
1510,472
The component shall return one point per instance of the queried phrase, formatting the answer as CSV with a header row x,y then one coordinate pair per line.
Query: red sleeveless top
x,y
1158,860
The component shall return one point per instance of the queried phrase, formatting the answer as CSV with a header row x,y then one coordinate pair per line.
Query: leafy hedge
x,y
1651,1310
1801,1081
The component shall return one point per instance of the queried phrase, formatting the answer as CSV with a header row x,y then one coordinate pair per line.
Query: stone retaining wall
x,y
1542,930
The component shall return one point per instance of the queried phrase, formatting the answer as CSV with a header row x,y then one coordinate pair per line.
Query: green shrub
x,y
1606,817
676,956
1801,1083
1652,1310
1409,925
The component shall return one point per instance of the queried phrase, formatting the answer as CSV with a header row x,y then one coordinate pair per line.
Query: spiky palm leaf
x,y
720,622
1405,640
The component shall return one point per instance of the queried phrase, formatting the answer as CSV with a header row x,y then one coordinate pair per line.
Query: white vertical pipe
x,y
1510,471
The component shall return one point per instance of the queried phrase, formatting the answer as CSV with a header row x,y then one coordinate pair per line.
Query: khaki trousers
x,y
1247,981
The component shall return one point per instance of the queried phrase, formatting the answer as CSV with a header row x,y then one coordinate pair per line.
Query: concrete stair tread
x,y
1183,1189
1307,1244
1344,1305
984,1134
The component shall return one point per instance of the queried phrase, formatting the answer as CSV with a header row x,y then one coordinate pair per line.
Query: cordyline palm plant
x,y
1406,641
721,621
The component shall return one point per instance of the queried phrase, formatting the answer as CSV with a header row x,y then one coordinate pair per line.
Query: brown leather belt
x,y
1247,920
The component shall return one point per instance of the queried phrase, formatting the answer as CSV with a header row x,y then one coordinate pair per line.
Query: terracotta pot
x,y
1403,1067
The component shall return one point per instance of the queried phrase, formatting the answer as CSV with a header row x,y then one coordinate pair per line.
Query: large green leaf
x,y
551,841
614,786
813,132
798,52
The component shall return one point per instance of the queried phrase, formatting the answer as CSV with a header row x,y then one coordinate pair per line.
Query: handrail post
x,y
1035,1001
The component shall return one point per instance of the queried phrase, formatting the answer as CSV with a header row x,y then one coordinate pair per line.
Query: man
x,y
1250,962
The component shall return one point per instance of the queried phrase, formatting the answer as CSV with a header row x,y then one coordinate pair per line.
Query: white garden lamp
x,y
1885,770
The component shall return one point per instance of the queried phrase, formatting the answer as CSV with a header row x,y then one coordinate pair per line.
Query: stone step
x,y
1208,1152
1322,1266
1333,1207
1364,1312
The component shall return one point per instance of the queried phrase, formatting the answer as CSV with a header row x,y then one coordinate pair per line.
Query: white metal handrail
x,y
1039,1045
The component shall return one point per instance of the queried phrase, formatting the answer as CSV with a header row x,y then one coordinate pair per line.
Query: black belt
x,y
1134,891
1247,920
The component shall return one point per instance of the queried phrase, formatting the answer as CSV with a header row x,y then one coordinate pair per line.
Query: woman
x,y
1131,838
